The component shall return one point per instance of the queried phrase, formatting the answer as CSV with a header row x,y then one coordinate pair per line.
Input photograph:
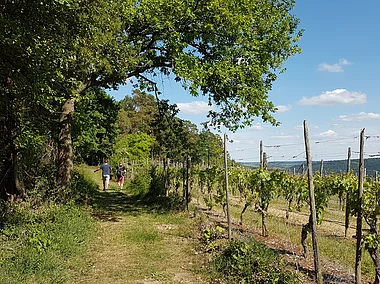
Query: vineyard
x,y
277,203
60,62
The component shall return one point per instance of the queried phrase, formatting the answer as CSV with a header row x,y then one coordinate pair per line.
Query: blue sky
x,y
334,84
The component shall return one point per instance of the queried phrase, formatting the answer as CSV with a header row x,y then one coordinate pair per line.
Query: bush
x,y
46,189
82,188
172,202
252,262
140,184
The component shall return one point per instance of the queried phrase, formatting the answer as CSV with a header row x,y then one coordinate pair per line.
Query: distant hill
x,y
371,165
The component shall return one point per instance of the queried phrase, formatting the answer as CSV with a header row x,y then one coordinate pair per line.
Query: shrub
x,y
252,262
140,184
172,202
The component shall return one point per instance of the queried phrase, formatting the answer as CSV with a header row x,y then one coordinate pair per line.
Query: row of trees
x,y
151,129
57,56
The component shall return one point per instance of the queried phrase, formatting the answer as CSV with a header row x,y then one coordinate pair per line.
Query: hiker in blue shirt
x,y
106,174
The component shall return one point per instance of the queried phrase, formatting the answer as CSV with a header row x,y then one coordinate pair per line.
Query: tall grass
x,y
40,245
41,239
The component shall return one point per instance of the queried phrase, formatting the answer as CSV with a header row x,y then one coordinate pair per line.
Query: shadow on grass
x,y
109,205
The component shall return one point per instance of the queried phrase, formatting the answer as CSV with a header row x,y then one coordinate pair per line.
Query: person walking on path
x,y
120,171
106,174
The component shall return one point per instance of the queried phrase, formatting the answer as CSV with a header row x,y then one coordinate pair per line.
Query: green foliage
x,y
209,148
137,113
132,147
252,262
213,180
141,183
82,187
322,192
76,45
210,237
175,137
45,188
36,244
170,203
295,188
94,129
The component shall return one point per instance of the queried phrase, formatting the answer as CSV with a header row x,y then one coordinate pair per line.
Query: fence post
x,y
359,219
347,217
226,180
312,206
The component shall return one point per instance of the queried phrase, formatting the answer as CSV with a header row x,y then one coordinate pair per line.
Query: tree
x,y
229,52
137,113
210,148
49,52
94,126
137,146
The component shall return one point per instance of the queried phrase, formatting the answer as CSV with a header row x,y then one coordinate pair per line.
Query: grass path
x,y
136,244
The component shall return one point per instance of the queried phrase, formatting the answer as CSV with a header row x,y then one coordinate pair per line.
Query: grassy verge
x,y
42,245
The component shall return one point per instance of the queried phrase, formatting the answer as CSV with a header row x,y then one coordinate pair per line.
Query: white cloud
x,y
257,126
285,136
300,127
360,116
328,133
281,108
336,97
196,107
335,68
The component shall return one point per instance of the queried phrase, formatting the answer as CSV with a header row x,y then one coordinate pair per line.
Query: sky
x,y
334,84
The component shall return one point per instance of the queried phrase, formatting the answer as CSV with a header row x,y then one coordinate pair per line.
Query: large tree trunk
x,y
65,145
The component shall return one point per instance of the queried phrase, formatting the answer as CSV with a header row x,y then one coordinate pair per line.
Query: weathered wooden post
x,y
312,207
321,168
261,154
188,173
226,181
347,217
359,219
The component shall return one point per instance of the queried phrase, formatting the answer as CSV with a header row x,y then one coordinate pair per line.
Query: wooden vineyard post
x,y
226,180
321,168
261,154
188,172
312,206
359,219
265,161
347,217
